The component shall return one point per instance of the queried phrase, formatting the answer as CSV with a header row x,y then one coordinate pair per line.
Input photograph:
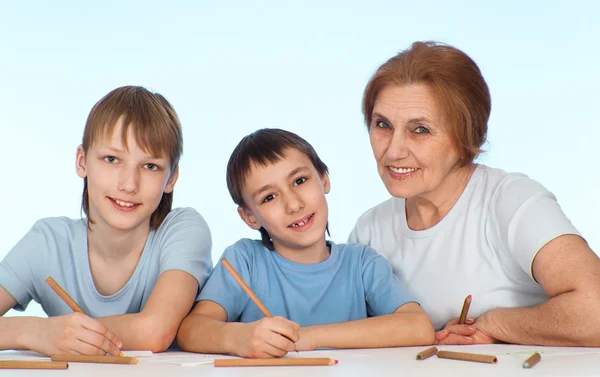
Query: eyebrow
x,y
268,186
412,120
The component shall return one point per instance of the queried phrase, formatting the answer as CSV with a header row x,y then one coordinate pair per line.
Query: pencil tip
x,y
469,296
336,361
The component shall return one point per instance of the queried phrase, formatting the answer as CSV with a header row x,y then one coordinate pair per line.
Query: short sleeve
x,y
526,217
384,292
185,244
21,267
223,289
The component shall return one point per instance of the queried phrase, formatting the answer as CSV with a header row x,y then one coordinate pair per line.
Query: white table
x,y
396,362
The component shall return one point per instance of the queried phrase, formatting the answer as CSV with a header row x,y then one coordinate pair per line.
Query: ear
x,y
80,166
326,183
248,218
172,180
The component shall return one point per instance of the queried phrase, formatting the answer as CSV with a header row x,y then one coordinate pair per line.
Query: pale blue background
x,y
232,67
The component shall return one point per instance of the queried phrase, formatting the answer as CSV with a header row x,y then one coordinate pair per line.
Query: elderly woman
x,y
454,227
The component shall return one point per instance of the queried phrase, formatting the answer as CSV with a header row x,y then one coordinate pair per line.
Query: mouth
x,y
401,172
302,223
123,205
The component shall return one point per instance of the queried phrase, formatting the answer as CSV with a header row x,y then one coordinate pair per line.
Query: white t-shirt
x,y
484,246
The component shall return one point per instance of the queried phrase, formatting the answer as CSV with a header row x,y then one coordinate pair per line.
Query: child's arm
x,y
73,333
206,330
407,326
155,327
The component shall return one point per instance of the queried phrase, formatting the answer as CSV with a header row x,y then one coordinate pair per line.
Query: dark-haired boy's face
x,y
287,198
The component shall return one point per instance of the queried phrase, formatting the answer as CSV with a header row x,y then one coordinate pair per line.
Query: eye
x,y
382,124
268,198
152,167
422,130
111,159
299,181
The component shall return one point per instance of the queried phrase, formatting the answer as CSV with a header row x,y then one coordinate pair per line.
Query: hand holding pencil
x,y
267,337
73,333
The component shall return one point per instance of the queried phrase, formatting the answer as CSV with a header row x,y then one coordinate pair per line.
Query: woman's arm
x,y
407,326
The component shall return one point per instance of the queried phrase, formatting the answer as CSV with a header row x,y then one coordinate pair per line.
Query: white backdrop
x,y
232,67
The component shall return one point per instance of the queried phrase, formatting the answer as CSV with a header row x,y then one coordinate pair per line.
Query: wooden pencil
x,y
65,297
292,361
246,288
427,353
490,359
95,359
532,360
465,310
26,364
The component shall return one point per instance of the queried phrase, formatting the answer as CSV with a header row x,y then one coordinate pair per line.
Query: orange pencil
x,y
532,360
490,359
95,359
65,297
292,361
427,353
464,311
24,364
246,288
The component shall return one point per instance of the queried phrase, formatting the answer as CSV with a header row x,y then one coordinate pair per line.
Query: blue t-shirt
x,y
353,283
57,247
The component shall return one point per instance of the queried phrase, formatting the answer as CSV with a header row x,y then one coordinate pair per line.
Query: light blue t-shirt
x,y
57,247
353,283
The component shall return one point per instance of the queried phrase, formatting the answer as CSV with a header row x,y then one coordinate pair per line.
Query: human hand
x,y
266,338
306,341
453,333
74,333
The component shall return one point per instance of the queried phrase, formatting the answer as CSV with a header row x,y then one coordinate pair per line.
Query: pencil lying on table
x,y
465,310
490,359
26,364
292,361
65,296
95,359
427,353
249,292
532,360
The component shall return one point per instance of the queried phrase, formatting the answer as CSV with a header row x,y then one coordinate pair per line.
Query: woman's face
x,y
412,144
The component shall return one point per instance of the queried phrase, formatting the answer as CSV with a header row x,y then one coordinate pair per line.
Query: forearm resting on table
x,y
18,333
205,334
392,330
569,319
142,331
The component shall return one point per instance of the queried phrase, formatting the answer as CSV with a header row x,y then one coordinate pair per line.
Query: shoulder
x,y
246,252
186,215
59,228
381,213
357,252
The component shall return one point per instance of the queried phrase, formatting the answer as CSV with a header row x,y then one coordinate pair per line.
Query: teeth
x,y
302,223
402,170
124,204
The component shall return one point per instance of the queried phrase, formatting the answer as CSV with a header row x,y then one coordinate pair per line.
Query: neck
x,y
312,254
424,211
117,245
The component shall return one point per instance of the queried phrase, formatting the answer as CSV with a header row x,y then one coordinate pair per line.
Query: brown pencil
x,y
467,357
292,361
464,311
25,364
246,288
95,359
427,353
532,360
65,297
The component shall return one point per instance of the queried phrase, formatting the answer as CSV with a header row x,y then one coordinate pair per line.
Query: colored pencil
x,y
26,364
292,361
467,357
532,360
95,359
465,310
427,353
65,297
246,288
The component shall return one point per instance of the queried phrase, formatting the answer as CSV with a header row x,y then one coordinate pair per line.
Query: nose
x,y
129,179
293,202
397,148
